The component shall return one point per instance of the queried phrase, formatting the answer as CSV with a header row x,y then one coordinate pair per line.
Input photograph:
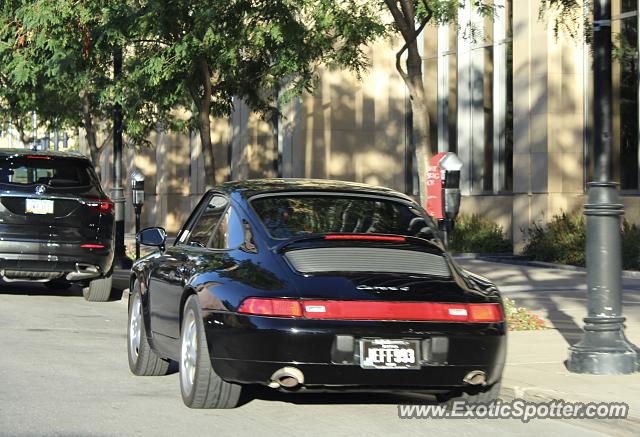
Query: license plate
x,y
389,354
39,206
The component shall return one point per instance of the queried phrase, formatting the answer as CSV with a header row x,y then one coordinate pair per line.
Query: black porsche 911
x,y
306,285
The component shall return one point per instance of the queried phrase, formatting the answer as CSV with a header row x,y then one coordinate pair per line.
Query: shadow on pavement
x,y
538,289
251,393
559,320
38,289
41,289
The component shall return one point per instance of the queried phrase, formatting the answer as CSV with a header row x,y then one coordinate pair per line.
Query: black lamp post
x,y
117,193
603,348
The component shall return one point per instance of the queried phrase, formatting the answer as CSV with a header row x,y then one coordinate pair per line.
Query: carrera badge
x,y
376,288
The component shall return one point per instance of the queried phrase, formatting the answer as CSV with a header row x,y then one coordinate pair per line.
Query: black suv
x,y
56,223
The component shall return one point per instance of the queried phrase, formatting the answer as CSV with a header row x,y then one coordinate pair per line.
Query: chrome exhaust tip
x,y
83,271
475,377
287,377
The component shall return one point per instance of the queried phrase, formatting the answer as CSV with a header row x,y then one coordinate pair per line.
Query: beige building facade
x,y
514,103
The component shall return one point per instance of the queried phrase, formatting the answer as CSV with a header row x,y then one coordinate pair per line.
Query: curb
x,y
514,260
125,296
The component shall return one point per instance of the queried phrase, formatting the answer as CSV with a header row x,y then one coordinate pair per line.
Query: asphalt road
x,y
63,371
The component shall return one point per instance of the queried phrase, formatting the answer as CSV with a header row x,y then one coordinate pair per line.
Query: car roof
x,y
26,151
253,187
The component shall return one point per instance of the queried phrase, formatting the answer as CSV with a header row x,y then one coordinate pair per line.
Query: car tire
x,y
58,284
99,290
143,361
473,396
201,387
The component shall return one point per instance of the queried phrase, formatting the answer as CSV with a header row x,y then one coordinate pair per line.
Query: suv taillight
x,y
104,206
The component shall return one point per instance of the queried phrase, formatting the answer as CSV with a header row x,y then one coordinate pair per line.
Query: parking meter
x,y
443,190
137,197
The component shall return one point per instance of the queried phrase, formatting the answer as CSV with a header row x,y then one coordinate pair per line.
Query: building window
x,y
625,76
625,108
470,97
508,116
484,116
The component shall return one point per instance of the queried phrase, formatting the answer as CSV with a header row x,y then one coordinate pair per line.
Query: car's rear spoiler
x,y
434,246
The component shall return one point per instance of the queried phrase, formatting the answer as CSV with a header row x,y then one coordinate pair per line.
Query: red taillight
x,y
38,157
271,307
486,312
104,206
364,237
373,310
370,310
92,246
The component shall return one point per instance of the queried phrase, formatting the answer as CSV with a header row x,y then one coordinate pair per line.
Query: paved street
x,y
63,371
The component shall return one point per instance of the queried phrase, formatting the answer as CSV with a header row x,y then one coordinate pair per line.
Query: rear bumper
x,y
249,349
71,261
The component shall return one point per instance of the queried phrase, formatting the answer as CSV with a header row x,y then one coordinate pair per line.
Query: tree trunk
x,y
207,146
90,132
420,110
404,15
24,138
202,98
422,144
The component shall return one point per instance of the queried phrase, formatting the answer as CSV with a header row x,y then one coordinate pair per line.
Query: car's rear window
x,y
293,215
45,170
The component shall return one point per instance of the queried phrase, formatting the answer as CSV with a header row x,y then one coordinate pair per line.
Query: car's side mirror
x,y
152,237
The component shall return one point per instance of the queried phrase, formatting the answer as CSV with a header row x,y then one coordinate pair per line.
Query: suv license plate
x,y
38,206
377,353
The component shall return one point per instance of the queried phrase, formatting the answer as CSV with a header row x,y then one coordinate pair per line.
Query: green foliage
x,y
630,246
568,17
56,58
250,48
563,240
520,318
475,234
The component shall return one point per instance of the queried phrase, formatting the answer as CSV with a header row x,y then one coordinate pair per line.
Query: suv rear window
x,y
293,215
46,170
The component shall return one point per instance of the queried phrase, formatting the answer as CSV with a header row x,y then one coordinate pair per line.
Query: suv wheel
x,y
99,290
201,387
143,361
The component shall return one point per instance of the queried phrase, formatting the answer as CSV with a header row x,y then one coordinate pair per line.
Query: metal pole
x,y
34,130
56,139
603,348
137,210
117,192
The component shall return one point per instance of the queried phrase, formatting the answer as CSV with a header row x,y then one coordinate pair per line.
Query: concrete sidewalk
x,y
535,367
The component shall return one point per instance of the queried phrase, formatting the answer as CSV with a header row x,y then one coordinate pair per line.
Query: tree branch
x,y
408,10
106,140
408,42
399,19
